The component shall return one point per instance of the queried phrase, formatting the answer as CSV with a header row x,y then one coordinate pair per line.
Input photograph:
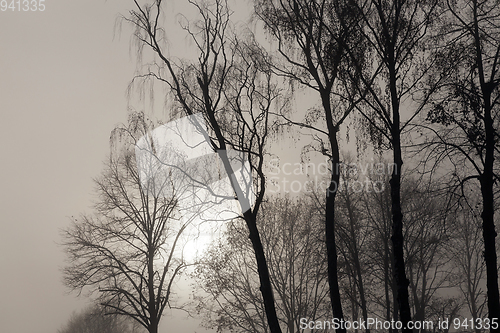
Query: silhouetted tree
x,y
397,88
468,111
467,255
94,320
128,251
377,205
230,87
353,233
311,43
427,234
294,248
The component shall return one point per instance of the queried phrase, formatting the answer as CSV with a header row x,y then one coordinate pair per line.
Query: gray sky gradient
x,y
64,73
63,80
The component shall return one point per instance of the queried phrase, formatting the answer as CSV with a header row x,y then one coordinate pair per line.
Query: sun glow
x,y
194,249
177,159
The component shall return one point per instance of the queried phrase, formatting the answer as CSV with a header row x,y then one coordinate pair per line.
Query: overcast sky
x,y
64,74
63,79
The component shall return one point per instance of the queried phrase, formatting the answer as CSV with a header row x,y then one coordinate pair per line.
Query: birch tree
x,y
229,86
311,46
396,88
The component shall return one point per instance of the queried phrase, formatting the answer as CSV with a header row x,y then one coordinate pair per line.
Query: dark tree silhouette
x,y
467,110
230,87
294,248
377,206
129,251
427,237
398,39
467,254
353,234
311,43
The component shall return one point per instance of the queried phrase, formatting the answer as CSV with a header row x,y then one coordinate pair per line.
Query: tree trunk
x,y
265,281
402,281
395,308
486,179
357,265
250,219
152,309
153,327
489,233
331,246
473,308
387,260
397,238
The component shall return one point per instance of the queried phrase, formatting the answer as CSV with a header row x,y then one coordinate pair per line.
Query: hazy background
x,y
63,79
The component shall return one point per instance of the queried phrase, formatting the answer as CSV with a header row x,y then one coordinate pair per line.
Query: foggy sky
x,y
63,79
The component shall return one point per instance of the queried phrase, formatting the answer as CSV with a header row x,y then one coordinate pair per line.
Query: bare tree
x,y
353,233
94,320
378,214
229,86
311,44
467,110
129,251
427,237
294,248
466,250
397,90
